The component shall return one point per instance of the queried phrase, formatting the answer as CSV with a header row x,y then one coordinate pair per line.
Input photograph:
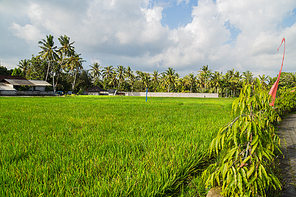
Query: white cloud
x,y
95,61
131,32
27,32
180,1
35,13
202,41
153,14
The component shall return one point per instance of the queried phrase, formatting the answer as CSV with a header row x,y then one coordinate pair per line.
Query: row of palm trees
x,y
59,60
60,64
125,79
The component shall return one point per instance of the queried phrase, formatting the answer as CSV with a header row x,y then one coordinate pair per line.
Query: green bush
x,y
245,148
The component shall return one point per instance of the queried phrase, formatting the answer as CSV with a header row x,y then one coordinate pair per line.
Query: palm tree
x,y
95,71
146,80
271,80
131,77
204,76
120,74
113,80
48,51
216,80
225,83
162,82
107,73
74,64
181,84
231,81
263,80
66,49
247,77
24,65
155,80
235,83
190,80
140,76
170,77
229,78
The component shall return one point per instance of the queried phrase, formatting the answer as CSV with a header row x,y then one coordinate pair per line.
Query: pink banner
x,y
274,87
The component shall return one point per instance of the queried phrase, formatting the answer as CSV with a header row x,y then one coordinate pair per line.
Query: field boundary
x,y
173,94
25,93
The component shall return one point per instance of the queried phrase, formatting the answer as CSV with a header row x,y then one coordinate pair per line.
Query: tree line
x,y
62,67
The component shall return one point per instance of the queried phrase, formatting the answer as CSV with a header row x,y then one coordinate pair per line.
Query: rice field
x,y
104,146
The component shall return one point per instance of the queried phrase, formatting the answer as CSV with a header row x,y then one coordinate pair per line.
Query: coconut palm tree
x,y
66,48
235,83
131,77
49,51
248,77
162,82
140,76
113,80
74,64
95,71
155,80
181,84
225,83
216,80
190,80
204,76
107,73
146,80
170,77
263,80
24,65
121,70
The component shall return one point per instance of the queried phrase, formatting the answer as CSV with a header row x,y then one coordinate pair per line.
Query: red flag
x,y
274,87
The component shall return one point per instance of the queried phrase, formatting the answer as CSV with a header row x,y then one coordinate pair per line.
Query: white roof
x,y
19,82
3,86
40,83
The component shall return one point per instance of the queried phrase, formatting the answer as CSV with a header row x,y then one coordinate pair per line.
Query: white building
x,y
15,85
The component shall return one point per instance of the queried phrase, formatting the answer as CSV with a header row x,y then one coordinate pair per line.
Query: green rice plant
x,y
104,146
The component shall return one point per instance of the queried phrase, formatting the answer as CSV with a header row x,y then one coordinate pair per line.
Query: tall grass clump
x,y
104,146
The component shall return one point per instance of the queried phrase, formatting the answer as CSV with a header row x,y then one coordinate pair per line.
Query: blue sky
x,y
290,19
176,15
156,34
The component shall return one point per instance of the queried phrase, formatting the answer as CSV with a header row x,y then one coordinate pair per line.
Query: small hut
x,y
95,90
112,91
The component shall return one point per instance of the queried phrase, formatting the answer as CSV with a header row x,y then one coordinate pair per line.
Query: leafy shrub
x,y
286,100
245,148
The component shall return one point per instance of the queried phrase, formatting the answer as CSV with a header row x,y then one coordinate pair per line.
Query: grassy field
x,y
103,146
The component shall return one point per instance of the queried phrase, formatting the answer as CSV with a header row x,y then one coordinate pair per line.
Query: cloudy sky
x,y
152,35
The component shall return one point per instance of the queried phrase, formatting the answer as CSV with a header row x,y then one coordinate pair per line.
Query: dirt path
x,y
287,133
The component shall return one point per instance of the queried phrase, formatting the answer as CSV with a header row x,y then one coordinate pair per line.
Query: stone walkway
x,y
287,133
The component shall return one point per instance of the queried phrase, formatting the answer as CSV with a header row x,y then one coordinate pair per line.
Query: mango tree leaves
x,y
245,147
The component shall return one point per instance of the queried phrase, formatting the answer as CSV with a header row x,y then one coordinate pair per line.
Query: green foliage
x,y
83,81
16,72
288,80
36,69
286,100
5,71
245,148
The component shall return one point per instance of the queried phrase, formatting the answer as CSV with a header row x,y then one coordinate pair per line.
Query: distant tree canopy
x,y
17,72
5,71
62,66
